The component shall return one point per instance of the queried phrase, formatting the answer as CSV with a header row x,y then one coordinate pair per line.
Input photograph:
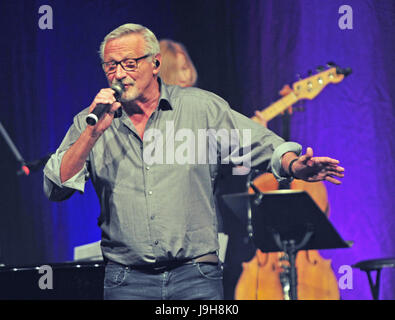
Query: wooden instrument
x,y
307,88
265,277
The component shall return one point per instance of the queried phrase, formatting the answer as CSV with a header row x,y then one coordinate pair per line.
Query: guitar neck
x,y
277,107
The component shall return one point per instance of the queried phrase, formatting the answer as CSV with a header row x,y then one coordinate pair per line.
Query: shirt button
x,y
150,192
156,242
147,167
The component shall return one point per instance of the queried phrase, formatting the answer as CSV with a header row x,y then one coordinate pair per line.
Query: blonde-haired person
x,y
177,67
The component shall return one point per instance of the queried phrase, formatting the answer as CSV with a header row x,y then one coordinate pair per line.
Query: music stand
x,y
285,220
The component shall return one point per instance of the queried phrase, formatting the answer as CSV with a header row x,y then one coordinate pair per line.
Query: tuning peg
x,y
320,68
309,72
345,71
331,64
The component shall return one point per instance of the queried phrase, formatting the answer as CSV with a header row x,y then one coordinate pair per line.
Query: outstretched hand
x,y
314,169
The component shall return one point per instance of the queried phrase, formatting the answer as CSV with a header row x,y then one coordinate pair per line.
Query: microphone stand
x,y
25,167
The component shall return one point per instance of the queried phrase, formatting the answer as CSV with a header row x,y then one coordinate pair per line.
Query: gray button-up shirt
x,y
156,194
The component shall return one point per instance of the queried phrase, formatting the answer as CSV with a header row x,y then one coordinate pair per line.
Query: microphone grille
x,y
118,88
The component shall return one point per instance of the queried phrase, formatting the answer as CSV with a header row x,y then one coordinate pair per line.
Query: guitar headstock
x,y
310,87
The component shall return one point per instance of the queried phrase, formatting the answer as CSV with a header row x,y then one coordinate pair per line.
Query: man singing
x,y
155,177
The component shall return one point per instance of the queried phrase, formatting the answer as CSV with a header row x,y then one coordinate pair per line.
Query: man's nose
x,y
120,73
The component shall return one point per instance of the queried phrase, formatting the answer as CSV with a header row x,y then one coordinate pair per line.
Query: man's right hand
x,y
105,96
74,158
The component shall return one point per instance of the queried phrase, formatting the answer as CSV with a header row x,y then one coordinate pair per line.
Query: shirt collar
x,y
164,99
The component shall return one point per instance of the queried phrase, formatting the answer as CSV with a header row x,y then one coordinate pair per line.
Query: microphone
x,y
102,108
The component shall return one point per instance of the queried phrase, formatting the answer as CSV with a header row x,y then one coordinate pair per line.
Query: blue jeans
x,y
194,281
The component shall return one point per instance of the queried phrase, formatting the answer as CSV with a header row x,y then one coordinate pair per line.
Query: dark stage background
x,y
244,51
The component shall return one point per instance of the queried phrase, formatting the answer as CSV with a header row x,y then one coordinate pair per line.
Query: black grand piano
x,y
70,281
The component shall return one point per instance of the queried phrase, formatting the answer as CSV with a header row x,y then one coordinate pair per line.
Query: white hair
x,y
151,42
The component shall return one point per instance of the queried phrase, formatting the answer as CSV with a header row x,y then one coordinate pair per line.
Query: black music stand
x,y
285,220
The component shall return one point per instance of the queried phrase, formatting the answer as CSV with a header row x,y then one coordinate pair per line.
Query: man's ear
x,y
156,62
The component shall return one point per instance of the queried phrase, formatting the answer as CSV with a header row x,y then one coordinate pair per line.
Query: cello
x,y
266,275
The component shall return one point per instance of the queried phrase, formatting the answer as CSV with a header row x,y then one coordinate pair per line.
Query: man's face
x,y
136,82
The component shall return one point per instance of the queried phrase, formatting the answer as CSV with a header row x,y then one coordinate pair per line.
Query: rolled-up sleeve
x,y
54,189
275,162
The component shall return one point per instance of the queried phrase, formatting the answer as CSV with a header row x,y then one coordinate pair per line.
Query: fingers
x,y
330,168
286,89
115,106
309,152
335,173
105,96
325,160
258,114
313,169
332,180
262,120
306,158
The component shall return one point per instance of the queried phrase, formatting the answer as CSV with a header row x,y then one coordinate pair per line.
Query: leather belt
x,y
207,258
210,258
